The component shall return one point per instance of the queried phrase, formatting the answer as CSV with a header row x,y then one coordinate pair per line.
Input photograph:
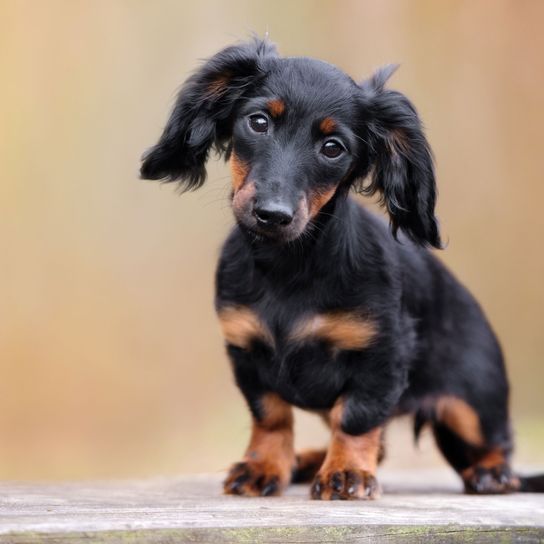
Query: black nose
x,y
273,214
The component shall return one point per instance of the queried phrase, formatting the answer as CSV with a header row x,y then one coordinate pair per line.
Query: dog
x,y
322,304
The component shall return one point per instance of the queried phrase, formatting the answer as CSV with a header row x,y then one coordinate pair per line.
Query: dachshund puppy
x,y
323,305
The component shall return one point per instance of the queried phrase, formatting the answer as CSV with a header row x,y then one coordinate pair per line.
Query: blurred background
x,y
111,361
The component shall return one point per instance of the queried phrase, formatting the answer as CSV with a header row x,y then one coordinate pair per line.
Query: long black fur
x,y
201,119
432,336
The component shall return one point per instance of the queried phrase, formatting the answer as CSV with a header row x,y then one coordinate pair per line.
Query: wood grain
x,y
424,506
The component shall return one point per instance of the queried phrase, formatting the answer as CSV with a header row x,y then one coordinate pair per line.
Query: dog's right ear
x,y
202,115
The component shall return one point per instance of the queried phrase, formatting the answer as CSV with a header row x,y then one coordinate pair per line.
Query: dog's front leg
x,y
349,468
269,459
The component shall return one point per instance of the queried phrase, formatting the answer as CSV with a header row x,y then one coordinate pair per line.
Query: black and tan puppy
x,y
322,305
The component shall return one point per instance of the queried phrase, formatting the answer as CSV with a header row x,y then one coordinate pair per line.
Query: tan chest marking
x,y
344,330
241,326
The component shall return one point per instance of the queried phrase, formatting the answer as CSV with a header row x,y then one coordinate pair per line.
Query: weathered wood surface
x,y
426,506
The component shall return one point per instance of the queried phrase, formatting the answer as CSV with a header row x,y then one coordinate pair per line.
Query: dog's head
x,y
298,133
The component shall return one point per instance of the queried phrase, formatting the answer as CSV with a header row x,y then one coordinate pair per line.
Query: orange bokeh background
x,y
111,360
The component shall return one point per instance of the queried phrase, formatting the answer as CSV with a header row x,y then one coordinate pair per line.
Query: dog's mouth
x,y
272,233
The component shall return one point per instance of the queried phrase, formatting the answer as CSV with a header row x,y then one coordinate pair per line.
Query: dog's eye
x,y
332,149
258,123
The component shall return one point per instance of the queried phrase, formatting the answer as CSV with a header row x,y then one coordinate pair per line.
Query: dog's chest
x,y
298,352
340,330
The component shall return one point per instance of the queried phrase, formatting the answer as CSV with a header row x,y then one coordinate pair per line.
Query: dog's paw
x,y
345,485
254,479
490,481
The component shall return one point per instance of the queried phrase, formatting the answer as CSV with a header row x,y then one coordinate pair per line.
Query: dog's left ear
x,y
400,161
202,115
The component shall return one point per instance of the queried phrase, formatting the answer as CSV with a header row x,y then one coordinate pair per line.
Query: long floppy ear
x,y
401,162
202,115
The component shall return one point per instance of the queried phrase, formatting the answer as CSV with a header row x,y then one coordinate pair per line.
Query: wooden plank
x,y
423,506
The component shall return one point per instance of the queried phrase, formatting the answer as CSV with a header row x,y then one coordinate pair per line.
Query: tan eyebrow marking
x,y
328,125
344,330
276,107
241,326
